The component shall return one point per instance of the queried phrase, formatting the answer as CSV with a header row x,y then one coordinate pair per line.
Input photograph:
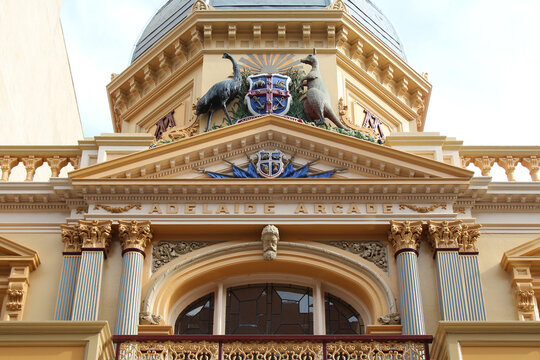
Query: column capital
x,y
444,234
71,239
469,235
405,235
95,234
135,235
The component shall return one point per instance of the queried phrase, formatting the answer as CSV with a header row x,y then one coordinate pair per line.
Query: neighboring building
x,y
272,237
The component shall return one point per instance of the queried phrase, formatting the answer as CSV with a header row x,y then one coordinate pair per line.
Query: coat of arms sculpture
x,y
268,94
270,163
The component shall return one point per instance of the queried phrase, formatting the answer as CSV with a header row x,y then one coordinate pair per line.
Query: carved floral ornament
x,y
134,235
95,234
405,235
444,234
71,239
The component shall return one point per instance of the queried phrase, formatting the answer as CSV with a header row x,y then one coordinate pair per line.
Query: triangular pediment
x,y
14,253
527,253
216,150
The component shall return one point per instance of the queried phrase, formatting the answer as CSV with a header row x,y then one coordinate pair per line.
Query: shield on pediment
x,y
270,163
268,94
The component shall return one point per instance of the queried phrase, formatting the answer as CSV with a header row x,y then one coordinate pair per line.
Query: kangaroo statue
x,y
317,105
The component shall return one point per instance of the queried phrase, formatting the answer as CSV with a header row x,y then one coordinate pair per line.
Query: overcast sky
x,y
482,57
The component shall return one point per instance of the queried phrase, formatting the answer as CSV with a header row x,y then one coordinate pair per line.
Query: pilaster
x,y
135,237
96,237
444,236
405,238
70,271
468,260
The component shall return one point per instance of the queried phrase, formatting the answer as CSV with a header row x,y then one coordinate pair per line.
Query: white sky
x,y
481,56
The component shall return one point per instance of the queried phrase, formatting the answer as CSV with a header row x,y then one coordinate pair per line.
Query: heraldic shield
x,y
270,163
268,94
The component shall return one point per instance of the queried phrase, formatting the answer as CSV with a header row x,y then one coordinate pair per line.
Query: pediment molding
x,y
364,157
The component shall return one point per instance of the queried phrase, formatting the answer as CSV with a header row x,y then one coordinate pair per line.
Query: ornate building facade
x,y
227,219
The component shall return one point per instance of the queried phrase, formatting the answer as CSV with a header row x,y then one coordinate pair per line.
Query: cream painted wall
x,y
497,283
428,286
110,285
37,98
45,280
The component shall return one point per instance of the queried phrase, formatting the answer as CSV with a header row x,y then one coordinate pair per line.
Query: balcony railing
x,y
507,157
272,347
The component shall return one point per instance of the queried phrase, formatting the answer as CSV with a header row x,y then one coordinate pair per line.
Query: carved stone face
x,y
270,238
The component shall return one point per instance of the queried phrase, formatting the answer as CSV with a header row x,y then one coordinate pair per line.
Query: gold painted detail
x,y
525,300
201,5
134,234
444,234
95,234
185,350
372,251
422,209
459,210
272,350
405,235
117,210
164,252
469,236
337,5
174,134
70,238
375,350
343,112
15,299
81,210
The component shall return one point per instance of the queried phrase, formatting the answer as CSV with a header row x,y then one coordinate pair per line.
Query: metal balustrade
x,y
271,347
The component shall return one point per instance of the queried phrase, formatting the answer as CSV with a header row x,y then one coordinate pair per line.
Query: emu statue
x,y
317,105
220,95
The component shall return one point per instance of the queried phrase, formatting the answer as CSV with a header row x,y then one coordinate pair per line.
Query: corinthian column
x,y
70,270
135,237
468,260
405,238
444,236
96,238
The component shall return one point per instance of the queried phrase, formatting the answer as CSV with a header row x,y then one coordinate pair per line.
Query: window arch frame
x,y
219,288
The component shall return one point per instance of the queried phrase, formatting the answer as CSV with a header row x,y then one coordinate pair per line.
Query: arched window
x,y
269,309
341,318
197,318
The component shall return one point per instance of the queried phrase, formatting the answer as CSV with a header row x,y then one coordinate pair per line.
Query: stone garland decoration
x,y
372,251
166,251
117,209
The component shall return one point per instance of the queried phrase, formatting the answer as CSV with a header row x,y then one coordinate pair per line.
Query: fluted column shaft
x,y
404,237
444,239
468,259
96,239
135,237
70,270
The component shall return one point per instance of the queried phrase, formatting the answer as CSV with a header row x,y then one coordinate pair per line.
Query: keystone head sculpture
x,y
270,238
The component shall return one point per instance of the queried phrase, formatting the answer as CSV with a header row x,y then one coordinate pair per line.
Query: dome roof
x,y
174,11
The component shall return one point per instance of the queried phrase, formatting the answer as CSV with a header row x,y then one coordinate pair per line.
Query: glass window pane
x,y
197,318
341,318
269,309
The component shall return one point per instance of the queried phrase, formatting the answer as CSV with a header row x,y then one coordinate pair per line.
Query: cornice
x,y
403,108
277,129
188,42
